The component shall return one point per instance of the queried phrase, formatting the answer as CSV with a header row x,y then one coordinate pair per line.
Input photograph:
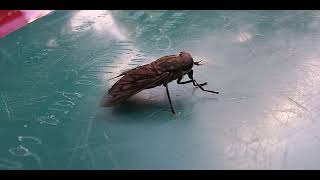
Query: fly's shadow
x,y
139,104
204,98
142,107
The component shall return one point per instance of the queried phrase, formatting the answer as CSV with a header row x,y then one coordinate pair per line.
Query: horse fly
x,y
159,72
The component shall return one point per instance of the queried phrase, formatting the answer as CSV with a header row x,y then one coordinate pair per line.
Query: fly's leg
x,y
190,81
199,85
195,83
184,82
190,75
168,94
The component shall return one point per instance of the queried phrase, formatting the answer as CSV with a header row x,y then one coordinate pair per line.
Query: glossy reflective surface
x,y
265,64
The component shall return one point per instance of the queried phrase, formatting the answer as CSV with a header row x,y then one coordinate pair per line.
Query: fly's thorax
x,y
168,63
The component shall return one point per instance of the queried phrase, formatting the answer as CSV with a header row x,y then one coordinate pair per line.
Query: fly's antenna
x,y
198,63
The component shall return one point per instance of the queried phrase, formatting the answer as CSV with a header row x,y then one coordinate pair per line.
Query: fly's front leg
x,y
195,83
184,82
199,85
190,75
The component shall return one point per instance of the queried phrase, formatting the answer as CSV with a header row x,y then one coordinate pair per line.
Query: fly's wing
x,y
132,83
123,73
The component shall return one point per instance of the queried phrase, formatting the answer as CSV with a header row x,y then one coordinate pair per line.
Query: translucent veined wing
x,y
132,83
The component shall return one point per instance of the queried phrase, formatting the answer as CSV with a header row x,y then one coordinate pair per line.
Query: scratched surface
x,y
265,64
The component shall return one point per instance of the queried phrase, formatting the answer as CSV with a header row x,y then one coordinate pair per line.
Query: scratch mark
x,y
61,110
138,60
22,151
30,103
77,147
106,61
89,77
74,72
94,60
65,94
104,66
58,60
114,163
5,103
8,164
37,98
89,152
88,131
44,119
21,138
98,71
85,143
298,104
237,98
87,83
125,41
65,103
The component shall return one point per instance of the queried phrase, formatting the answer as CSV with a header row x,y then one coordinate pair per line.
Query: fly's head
x,y
186,61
